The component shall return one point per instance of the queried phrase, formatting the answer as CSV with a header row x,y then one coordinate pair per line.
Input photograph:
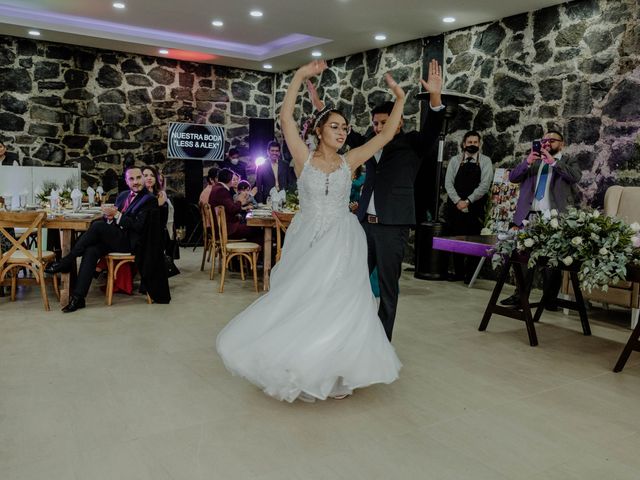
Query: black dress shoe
x,y
74,304
57,267
512,301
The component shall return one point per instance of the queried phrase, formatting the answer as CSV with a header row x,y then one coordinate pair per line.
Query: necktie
x,y
128,201
542,183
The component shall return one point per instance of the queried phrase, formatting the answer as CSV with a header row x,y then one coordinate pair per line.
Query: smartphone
x,y
536,146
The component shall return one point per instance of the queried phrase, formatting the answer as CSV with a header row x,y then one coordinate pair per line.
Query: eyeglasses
x,y
336,126
551,140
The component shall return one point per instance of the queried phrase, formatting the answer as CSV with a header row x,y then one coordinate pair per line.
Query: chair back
x,y
208,224
31,222
282,223
221,218
623,202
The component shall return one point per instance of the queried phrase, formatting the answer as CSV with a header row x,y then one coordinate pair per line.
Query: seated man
x,y
221,195
119,231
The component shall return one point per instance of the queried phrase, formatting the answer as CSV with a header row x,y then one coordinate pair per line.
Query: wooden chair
x,y
208,230
212,244
229,250
282,223
114,262
20,257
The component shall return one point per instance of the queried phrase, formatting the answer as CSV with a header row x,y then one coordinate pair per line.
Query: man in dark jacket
x,y
387,206
119,231
234,163
275,172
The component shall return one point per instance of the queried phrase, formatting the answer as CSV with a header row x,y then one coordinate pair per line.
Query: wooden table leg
x,y
497,289
522,286
582,309
266,262
65,278
632,344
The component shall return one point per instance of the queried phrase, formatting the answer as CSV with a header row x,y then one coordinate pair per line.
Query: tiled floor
x,y
136,391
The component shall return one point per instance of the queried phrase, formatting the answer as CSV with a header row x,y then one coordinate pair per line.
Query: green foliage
x,y
600,247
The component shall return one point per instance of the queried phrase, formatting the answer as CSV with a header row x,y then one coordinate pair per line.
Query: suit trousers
x,y
101,239
386,244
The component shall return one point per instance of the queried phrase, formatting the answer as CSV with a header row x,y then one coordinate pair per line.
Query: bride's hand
x,y
312,69
395,88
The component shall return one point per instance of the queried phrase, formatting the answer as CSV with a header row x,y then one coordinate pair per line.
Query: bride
x,y
316,334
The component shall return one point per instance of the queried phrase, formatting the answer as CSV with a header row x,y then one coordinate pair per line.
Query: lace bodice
x,y
324,198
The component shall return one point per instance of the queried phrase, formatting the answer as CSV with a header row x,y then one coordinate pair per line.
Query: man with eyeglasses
x,y
548,181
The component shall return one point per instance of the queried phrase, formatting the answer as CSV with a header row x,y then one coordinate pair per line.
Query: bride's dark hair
x,y
320,119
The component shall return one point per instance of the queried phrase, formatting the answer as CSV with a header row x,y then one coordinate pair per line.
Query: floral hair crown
x,y
321,114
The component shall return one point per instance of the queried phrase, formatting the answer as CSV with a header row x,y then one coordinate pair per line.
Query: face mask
x,y
472,149
235,161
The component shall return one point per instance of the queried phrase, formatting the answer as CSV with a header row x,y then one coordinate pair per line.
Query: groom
x,y
387,206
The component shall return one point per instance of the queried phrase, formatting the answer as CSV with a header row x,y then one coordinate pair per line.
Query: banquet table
x,y
267,222
67,226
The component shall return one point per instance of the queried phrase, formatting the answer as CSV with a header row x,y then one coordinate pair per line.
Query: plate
x,y
77,215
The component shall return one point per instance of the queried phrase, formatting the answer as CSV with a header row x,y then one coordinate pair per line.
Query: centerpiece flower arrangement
x,y
599,247
64,191
291,200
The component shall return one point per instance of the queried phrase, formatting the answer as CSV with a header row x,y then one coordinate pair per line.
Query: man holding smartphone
x,y
547,181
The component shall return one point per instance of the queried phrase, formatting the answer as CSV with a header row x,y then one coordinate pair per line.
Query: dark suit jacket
x,y
9,157
132,222
393,177
562,189
240,168
221,196
265,179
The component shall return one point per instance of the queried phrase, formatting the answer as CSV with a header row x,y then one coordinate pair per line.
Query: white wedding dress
x,y
316,333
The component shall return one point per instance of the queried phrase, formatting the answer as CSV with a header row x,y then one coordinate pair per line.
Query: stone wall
x,y
574,66
355,84
63,105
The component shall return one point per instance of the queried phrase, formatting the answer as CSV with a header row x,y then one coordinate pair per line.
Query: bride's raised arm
x,y
358,156
297,147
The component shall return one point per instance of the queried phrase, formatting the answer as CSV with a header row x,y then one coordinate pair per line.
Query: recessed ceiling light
x,y
255,13
163,51
380,37
119,5
35,33
267,66
217,23
316,53
448,19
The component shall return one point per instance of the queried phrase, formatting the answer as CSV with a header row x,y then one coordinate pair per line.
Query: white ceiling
x,y
284,37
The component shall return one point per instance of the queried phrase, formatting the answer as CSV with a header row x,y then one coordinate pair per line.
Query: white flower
x,y
486,231
635,226
595,214
525,223
528,242
603,251
567,260
576,241
635,241
582,215
554,212
594,236
554,223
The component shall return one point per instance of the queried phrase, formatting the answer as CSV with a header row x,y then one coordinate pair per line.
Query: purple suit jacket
x,y
562,190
